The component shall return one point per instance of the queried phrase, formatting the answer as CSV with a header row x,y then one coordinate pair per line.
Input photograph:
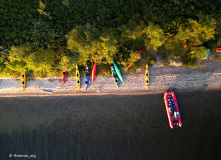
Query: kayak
x,y
118,71
147,77
23,81
132,61
94,71
86,82
172,109
86,77
78,77
64,76
114,75
218,49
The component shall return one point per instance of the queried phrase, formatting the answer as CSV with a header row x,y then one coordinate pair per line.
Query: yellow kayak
x,y
78,77
147,76
23,80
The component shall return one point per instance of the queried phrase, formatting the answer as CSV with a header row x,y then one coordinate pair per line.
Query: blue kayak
x,y
86,77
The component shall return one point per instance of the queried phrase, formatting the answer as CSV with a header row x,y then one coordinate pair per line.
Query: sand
x,y
162,78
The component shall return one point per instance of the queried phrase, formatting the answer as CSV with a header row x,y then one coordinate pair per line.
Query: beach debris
x,y
47,90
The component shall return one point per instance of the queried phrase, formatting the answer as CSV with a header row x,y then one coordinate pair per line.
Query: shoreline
x,y
207,77
102,94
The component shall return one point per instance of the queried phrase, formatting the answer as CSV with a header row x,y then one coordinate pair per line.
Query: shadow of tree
x,y
198,78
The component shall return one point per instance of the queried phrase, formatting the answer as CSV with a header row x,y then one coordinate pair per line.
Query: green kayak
x,y
118,72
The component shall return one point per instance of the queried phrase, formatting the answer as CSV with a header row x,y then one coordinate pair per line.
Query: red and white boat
x,y
172,109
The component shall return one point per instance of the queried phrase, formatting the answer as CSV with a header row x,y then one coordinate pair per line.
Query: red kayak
x,y
94,71
64,76
172,109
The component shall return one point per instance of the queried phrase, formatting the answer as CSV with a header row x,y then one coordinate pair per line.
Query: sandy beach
x,y
162,78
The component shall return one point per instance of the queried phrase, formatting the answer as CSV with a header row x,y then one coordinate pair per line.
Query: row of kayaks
x,y
115,71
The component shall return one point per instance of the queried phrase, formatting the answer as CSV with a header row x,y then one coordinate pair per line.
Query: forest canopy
x,y
47,36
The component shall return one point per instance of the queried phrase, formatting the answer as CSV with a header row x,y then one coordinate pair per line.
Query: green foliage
x,y
104,69
154,36
198,52
16,63
116,30
190,57
41,63
197,32
3,55
90,44
42,7
67,63
152,62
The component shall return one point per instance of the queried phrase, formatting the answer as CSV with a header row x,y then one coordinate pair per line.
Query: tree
x,y
41,63
154,36
197,32
90,44
67,63
16,63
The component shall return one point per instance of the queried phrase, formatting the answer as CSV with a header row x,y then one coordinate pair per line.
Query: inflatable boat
x,y
172,109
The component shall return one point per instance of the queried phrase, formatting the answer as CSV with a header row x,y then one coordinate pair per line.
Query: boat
x,y
172,109
23,80
118,71
94,71
86,77
147,77
218,49
64,76
78,78
132,61
114,75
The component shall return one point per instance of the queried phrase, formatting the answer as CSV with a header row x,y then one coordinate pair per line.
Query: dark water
x,y
110,127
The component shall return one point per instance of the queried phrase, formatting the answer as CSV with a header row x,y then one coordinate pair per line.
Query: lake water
x,y
110,127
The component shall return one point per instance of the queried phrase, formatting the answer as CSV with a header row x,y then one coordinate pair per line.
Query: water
x,y
110,127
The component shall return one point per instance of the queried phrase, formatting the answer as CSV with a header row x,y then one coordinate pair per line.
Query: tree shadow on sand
x,y
196,79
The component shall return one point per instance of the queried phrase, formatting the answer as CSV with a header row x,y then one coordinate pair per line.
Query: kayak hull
x,y
64,77
23,81
78,77
172,109
86,82
94,71
86,77
116,80
118,71
147,76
